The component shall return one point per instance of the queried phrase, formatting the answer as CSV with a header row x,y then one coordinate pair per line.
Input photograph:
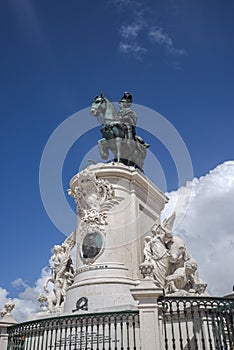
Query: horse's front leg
x,y
118,141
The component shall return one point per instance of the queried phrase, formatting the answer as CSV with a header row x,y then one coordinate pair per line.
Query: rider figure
x,y
127,115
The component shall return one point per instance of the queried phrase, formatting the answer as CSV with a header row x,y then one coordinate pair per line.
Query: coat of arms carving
x,y
90,195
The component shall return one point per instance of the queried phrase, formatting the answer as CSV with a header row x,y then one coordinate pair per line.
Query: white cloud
x,y
176,52
205,221
139,28
158,36
130,42
26,305
132,49
120,4
3,298
19,282
130,31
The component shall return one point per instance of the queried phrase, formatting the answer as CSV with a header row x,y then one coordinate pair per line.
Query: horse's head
x,y
98,106
101,105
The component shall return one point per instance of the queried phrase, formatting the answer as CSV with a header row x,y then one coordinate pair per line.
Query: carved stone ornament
x,y
81,304
146,269
43,300
91,192
8,307
93,217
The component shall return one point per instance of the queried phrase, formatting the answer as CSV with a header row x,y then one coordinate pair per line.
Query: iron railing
x,y
197,323
186,323
101,331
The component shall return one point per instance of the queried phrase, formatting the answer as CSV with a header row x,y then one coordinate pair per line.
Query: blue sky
x,y
176,57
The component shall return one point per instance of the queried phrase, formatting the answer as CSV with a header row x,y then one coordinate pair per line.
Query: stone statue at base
x,y
174,269
62,274
8,307
119,131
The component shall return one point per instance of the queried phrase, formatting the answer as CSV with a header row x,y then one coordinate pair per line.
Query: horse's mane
x,y
111,106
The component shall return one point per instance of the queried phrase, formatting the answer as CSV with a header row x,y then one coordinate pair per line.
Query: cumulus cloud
x,y
19,282
26,305
3,297
205,221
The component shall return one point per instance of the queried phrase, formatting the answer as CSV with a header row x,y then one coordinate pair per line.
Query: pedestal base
x,y
117,206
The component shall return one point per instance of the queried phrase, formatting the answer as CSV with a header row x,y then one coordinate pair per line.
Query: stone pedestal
x,y
5,322
231,295
147,294
117,206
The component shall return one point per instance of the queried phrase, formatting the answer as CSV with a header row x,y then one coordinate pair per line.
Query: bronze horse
x,y
126,148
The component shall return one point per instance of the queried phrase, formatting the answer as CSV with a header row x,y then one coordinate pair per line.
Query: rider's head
x,y
126,100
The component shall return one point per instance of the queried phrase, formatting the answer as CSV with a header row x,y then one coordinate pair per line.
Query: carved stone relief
x,y
172,266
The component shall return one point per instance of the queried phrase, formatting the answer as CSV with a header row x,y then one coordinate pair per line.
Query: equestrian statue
x,y
119,131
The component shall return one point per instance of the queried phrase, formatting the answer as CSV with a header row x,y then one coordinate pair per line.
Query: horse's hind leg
x,y
103,149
